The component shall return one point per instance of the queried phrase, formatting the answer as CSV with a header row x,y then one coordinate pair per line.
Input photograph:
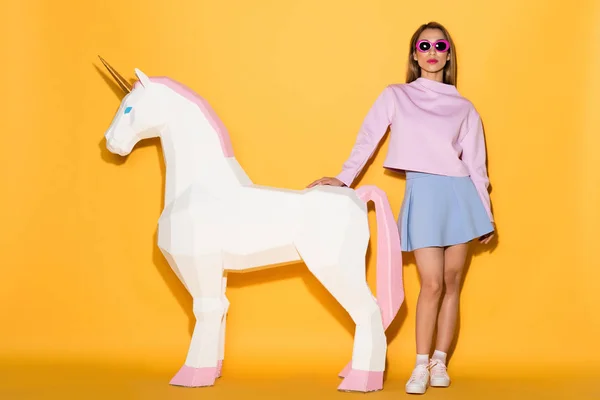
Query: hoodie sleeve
x,y
474,157
370,133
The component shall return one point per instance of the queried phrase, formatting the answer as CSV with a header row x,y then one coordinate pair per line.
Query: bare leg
x,y
430,263
454,262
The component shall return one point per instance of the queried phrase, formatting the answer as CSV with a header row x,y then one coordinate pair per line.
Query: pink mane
x,y
206,109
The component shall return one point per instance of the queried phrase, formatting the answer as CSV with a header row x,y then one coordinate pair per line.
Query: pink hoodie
x,y
433,129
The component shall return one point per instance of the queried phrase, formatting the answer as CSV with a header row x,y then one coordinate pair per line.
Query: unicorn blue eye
x,y
127,110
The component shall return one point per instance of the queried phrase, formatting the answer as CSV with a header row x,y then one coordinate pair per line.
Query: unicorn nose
x,y
110,145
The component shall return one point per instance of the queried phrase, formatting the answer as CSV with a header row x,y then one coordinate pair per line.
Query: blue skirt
x,y
440,211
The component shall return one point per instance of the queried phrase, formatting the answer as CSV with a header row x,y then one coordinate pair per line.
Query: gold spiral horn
x,y
126,86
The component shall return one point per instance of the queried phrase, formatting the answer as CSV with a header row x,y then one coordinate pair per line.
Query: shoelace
x,y
419,374
437,367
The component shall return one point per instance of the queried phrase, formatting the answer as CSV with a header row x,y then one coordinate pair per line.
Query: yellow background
x,y
82,278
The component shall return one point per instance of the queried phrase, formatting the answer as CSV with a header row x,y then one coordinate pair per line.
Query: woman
x,y
437,139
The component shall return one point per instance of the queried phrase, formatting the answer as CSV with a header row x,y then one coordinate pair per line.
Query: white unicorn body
x,y
216,220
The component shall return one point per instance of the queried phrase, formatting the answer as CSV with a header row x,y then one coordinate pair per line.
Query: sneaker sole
x,y
415,390
440,382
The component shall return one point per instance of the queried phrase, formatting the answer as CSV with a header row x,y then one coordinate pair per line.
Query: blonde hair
x,y
450,69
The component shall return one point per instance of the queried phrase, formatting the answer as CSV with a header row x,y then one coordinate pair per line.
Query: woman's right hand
x,y
327,181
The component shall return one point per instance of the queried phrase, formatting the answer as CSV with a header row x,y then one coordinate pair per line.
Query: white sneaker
x,y
439,374
419,380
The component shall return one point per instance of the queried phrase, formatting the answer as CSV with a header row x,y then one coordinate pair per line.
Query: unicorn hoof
x,y
344,373
362,381
195,377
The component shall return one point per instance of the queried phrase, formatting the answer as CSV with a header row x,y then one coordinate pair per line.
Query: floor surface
x,y
49,381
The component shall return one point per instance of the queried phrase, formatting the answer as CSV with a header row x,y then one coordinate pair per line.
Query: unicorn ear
x,y
144,80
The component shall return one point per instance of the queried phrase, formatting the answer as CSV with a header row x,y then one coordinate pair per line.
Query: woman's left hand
x,y
485,239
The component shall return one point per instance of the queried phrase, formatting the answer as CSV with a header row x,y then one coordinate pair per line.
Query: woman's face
x,y
431,51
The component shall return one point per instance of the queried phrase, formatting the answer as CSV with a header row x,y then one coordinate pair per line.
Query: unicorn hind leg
x,y
221,354
342,272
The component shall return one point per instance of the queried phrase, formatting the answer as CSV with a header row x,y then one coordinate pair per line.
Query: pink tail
x,y
390,285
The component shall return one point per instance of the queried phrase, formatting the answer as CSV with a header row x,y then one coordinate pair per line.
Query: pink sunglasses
x,y
441,45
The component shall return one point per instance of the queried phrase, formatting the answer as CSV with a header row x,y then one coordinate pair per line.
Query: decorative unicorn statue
x,y
216,220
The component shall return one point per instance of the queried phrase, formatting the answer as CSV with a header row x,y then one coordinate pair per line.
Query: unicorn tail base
x,y
390,284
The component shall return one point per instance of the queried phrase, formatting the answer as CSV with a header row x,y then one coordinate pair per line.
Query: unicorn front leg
x,y
203,275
